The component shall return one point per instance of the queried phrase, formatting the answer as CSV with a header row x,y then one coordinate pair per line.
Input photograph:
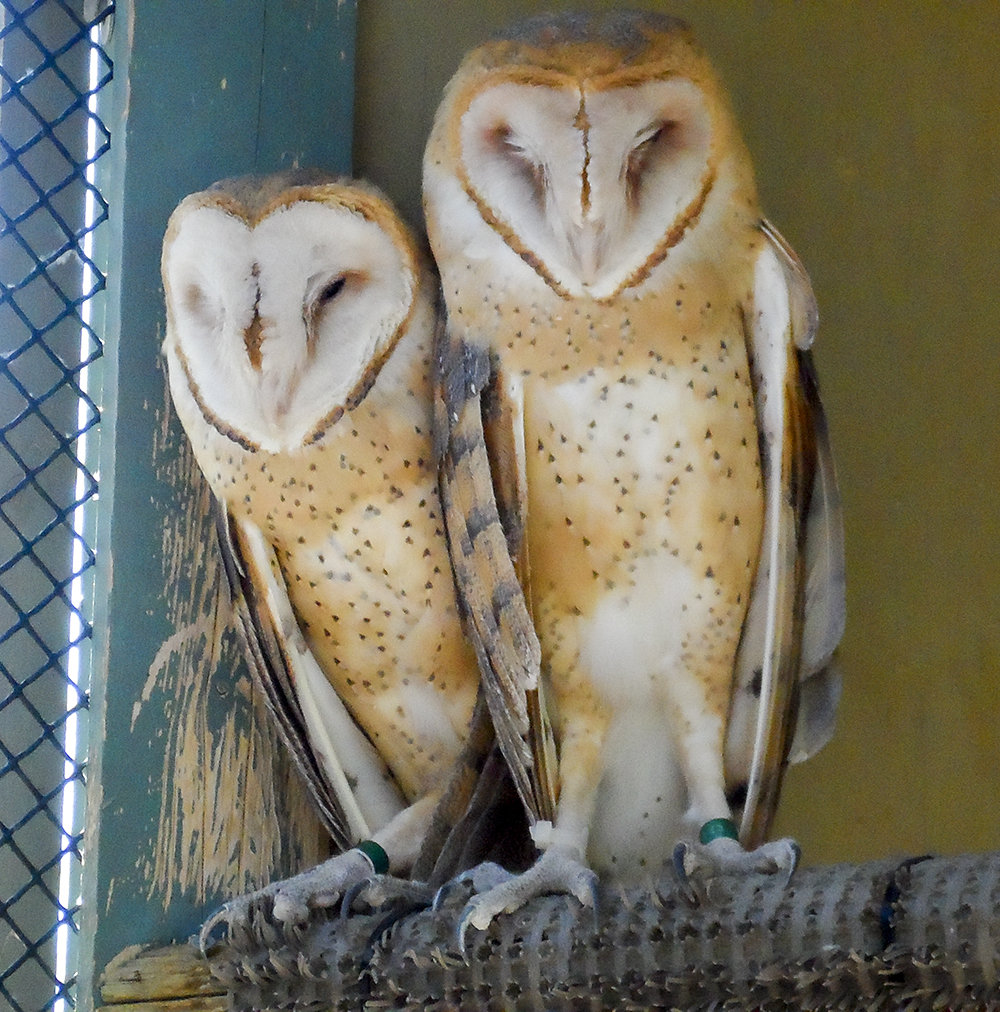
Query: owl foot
x,y
724,856
384,890
558,870
482,878
284,906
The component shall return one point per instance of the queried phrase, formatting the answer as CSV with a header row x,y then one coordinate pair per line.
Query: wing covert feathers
x,y
271,669
339,763
497,616
802,308
824,545
825,587
796,611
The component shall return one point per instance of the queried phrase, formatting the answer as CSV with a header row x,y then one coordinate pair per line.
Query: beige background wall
x,y
874,127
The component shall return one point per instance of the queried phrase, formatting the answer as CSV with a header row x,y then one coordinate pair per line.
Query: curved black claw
x,y
378,891
688,890
444,893
205,934
249,921
350,895
558,870
796,851
482,878
724,856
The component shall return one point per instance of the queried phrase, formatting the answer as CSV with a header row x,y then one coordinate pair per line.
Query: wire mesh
x,y
51,68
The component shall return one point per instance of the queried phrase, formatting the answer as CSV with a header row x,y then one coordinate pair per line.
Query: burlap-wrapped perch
x,y
921,934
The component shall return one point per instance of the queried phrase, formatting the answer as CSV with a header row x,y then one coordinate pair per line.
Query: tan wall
x,y
874,127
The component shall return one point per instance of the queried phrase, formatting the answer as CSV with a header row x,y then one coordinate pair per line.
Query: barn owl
x,y
299,344
639,494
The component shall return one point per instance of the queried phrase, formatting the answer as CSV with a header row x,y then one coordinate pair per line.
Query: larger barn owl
x,y
299,341
635,442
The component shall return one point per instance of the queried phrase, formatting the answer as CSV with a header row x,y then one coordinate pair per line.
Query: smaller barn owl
x,y
639,492
300,325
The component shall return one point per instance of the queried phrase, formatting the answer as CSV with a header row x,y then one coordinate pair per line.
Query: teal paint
x,y
203,89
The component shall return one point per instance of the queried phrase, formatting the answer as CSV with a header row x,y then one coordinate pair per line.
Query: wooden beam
x,y
187,801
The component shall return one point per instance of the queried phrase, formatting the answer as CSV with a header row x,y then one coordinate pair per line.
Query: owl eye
x,y
330,292
197,302
320,292
653,133
194,298
508,146
315,305
656,137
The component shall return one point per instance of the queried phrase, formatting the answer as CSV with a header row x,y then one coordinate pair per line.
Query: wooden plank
x,y
210,1004
189,800
307,85
168,972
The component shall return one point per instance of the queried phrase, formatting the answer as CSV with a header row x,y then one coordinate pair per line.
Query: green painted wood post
x,y
203,89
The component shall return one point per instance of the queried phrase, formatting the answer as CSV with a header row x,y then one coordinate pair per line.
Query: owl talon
x,y
724,856
205,934
245,919
445,892
350,895
482,878
796,856
284,906
380,891
441,896
688,890
556,871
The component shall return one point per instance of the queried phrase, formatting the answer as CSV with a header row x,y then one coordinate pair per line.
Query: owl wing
x,y
326,744
796,613
480,423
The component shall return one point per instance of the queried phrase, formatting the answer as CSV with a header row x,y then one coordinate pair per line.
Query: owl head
x,y
591,146
285,295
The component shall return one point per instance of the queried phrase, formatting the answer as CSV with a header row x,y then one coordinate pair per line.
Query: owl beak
x,y
278,373
586,242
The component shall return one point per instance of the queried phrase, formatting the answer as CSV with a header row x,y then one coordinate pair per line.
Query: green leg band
x,y
715,828
378,857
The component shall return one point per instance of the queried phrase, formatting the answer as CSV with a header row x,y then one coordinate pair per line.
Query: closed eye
x,y
330,292
199,305
314,307
507,144
646,142
653,133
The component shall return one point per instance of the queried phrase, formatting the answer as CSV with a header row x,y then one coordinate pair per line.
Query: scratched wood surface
x,y
172,977
232,813
217,808
189,797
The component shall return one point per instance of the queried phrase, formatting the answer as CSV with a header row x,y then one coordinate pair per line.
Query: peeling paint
x,y
232,811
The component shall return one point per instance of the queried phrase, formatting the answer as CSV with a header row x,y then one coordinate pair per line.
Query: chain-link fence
x,y
51,69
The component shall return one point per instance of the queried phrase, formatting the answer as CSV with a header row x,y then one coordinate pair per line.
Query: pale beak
x,y
586,242
279,364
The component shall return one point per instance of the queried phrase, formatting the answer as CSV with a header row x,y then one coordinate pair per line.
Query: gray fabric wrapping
x,y
884,935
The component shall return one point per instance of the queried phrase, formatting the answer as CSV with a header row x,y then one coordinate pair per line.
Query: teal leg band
x,y
378,857
716,828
